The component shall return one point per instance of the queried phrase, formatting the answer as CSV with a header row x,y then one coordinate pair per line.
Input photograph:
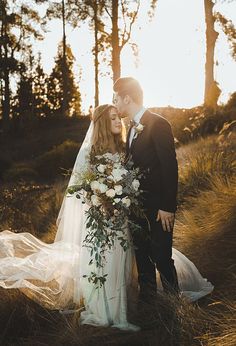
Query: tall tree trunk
x,y
32,99
96,63
6,101
6,95
116,66
64,105
212,91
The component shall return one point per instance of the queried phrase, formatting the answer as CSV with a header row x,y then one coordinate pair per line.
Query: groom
x,y
150,143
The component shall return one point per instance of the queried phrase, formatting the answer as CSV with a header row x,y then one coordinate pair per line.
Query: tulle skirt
x,y
53,274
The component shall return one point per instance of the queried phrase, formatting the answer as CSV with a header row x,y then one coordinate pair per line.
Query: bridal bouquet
x,y
111,190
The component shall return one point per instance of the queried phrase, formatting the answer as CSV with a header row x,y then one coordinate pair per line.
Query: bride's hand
x,y
167,220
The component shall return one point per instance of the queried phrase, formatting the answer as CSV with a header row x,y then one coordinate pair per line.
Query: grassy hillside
x,y
43,151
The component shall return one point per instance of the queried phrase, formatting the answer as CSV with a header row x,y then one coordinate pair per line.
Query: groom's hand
x,y
167,220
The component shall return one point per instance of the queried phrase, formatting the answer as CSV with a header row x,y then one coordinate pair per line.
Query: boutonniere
x,y
138,128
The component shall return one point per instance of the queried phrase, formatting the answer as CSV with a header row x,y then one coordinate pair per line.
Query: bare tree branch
x,y
108,12
128,33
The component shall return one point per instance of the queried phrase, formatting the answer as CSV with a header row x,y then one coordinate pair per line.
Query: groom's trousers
x,y
153,250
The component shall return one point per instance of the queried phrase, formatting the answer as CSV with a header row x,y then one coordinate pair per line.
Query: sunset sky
x,y
171,55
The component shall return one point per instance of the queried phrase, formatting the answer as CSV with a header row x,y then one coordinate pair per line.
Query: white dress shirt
x,y
137,119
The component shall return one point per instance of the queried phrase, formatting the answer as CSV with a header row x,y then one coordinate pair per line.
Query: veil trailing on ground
x,y
49,273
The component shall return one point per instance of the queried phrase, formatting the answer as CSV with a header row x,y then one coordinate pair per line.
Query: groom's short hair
x,y
129,86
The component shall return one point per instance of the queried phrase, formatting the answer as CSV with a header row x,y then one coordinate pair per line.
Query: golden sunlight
x,y
171,60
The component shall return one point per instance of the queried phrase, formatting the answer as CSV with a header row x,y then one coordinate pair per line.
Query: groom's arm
x,y
163,140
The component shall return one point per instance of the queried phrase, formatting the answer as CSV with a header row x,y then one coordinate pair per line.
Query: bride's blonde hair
x,y
103,140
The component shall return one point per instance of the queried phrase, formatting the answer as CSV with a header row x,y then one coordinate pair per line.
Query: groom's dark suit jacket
x,y
153,151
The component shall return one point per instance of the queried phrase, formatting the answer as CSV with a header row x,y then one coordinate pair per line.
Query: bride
x,y
53,275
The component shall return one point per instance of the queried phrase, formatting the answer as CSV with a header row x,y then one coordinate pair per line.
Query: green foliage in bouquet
x,y
110,187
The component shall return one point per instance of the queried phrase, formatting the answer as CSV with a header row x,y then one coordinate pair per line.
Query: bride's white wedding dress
x,y
53,274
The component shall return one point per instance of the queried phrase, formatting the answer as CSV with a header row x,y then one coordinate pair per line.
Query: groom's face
x,y
121,104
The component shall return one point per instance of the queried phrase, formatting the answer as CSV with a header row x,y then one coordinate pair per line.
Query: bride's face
x,y
116,126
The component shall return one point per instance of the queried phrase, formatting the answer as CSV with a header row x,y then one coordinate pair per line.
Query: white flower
x,y
108,156
101,168
112,157
117,174
95,200
139,128
116,165
94,185
118,189
97,186
103,188
110,178
135,184
117,200
110,193
126,201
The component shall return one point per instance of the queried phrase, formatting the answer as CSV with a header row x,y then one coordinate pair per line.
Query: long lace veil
x,y
70,211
